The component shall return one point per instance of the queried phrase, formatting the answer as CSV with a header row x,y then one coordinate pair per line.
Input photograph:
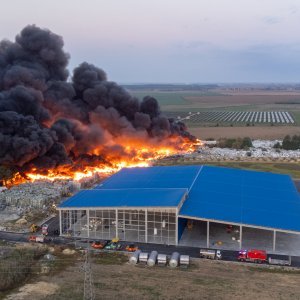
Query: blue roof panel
x,y
248,197
126,198
222,194
153,177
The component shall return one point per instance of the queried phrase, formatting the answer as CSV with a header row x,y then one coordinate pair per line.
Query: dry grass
x,y
203,280
114,278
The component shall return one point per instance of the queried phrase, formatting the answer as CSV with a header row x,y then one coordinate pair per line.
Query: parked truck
x,y
210,253
45,229
280,262
253,255
36,238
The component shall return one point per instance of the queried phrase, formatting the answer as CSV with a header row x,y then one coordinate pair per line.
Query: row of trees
x,y
289,143
239,143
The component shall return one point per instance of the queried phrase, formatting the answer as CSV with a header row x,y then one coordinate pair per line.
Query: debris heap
x,y
37,194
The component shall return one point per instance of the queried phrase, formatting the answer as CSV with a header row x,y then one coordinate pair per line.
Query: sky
x,y
171,41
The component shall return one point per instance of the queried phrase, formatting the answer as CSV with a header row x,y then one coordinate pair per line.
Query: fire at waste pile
x,y
57,125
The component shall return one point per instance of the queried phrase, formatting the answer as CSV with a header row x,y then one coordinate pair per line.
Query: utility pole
x,y
88,279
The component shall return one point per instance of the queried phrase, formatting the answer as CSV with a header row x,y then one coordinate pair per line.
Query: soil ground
x,y
256,132
202,280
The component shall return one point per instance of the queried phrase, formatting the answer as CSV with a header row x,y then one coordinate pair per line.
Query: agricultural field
x,y
172,98
268,112
271,117
262,132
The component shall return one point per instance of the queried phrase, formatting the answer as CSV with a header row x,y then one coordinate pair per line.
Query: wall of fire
x,y
136,225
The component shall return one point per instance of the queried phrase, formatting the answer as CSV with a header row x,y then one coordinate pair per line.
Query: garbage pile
x,y
36,194
260,149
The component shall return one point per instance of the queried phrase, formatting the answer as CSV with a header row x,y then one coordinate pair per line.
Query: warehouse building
x,y
155,204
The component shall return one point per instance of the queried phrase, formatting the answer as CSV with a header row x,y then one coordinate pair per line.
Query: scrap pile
x,y
36,194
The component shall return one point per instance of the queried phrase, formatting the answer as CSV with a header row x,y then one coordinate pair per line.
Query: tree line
x,y
289,143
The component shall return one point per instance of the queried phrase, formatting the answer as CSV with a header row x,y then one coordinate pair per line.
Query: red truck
x,y
253,255
36,238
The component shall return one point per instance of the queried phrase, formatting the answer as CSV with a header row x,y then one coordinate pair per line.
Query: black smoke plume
x,y
47,121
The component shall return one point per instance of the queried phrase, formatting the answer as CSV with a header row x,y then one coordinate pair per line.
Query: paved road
x,y
227,255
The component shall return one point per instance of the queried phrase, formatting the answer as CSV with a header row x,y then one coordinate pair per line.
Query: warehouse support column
x,y
241,236
70,219
60,223
176,233
88,222
207,235
274,240
117,223
146,225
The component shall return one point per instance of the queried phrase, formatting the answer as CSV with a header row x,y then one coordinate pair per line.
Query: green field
x,y
178,101
172,98
296,115
164,98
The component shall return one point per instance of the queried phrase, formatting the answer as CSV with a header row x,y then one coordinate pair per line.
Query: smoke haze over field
x,y
47,121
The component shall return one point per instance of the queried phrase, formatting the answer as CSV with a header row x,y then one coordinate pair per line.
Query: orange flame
x,y
134,156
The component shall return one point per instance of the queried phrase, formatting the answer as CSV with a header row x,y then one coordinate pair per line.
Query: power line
x,y
88,279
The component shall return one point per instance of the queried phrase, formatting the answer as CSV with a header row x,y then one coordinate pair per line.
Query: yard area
x,y
116,279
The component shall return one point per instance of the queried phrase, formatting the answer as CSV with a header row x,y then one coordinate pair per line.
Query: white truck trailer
x,y
280,262
210,254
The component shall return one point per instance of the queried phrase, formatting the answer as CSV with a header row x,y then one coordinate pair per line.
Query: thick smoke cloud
x,y
47,121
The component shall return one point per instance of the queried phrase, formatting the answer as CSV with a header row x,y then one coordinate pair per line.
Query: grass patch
x,y
108,258
18,266
61,262
296,116
216,282
163,98
149,291
274,270
100,285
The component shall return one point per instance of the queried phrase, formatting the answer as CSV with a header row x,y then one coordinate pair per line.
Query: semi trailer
x,y
210,253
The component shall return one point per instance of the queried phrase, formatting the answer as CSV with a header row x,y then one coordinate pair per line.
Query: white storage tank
x,y
143,257
184,260
174,260
152,258
162,259
134,258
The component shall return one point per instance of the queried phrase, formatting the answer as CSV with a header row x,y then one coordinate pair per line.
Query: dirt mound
x,y
35,291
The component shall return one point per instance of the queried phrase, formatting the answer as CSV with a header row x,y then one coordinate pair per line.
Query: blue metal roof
x,y
153,177
215,193
125,198
248,197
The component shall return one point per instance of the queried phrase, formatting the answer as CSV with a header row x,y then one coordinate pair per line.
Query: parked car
x,y
99,244
113,246
131,248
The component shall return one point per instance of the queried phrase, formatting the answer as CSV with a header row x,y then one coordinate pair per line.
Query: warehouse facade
x,y
153,205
